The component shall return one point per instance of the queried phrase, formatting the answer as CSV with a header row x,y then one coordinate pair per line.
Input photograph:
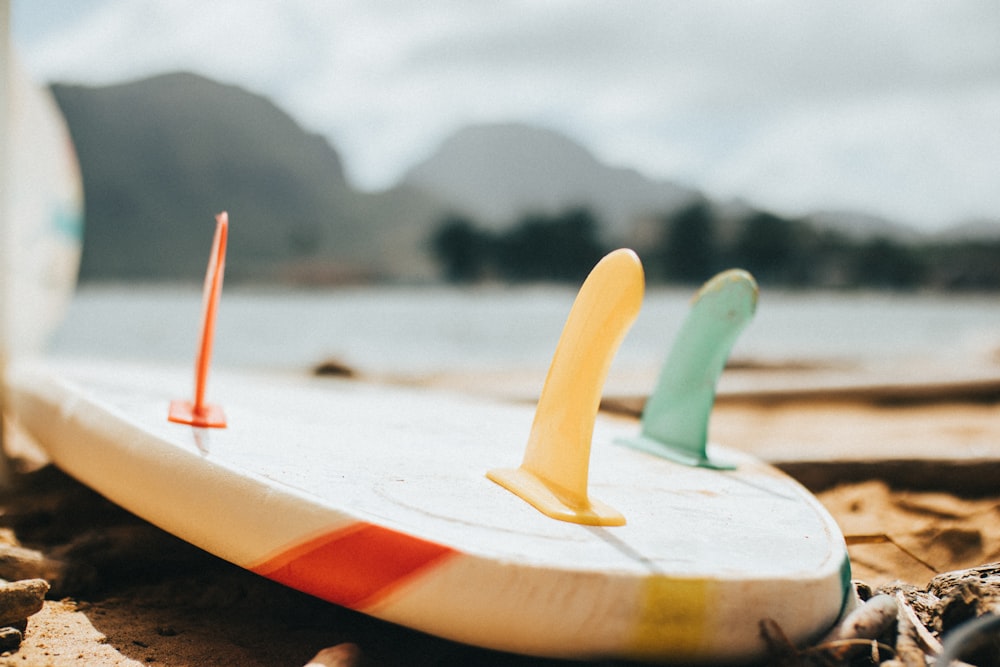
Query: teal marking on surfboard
x,y
845,581
67,221
675,418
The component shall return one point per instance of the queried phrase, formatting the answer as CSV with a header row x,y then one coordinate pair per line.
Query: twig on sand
x,y
915,640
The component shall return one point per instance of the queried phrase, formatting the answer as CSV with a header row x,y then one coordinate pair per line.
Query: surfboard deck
x,y
376,498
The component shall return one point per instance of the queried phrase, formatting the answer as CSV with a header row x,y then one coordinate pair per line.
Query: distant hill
x,y
497,173
162,155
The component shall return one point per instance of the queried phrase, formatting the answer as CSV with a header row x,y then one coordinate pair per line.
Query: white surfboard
x,y
41,210
41,214
378,499
375,498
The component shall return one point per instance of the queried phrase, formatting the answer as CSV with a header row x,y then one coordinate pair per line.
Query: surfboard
x,y
41,214
610,539
41,208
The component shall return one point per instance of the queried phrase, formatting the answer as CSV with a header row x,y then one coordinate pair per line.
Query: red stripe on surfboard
x,y
355,566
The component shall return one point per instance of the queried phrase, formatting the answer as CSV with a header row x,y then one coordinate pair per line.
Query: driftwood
x,y
987,577
948,602
914,640
964,595
901,625
871,620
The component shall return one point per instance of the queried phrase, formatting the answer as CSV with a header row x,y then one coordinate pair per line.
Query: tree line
x,y
690,244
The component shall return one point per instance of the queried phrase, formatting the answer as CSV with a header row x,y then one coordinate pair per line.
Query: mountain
x,y
162,155
496,173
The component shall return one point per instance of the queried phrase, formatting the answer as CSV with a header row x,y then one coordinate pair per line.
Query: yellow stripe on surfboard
x,y
673,612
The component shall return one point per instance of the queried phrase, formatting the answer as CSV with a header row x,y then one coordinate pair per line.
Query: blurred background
x,y
448,172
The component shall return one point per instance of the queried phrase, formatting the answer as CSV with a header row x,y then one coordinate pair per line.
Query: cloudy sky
x,y
890,107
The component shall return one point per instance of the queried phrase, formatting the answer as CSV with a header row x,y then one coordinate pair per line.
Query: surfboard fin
x,y
554,474
197,412
675,418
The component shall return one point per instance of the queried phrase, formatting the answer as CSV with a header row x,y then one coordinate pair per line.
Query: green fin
x,y
675,419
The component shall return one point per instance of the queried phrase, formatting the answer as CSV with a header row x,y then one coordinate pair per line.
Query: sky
x,y
886,107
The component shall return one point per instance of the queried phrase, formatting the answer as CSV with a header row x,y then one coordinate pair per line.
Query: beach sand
x,y
911,484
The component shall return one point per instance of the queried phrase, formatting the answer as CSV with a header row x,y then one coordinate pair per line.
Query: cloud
x,y
850,104
898,156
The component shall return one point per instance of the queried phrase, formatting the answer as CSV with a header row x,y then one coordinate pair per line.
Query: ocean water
x,y
413,331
